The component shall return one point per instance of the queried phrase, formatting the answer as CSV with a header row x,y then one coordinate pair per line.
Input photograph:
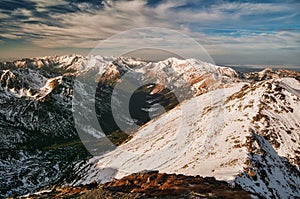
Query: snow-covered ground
x,y
247,134
231,128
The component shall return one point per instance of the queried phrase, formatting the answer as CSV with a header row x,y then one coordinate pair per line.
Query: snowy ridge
x,y
200,75
249,136
67,62
35,78
32,86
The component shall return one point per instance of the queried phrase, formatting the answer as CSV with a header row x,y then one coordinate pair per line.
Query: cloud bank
x,y
232,32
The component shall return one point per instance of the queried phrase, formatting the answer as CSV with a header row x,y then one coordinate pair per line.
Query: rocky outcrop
x,y
269,73
149,184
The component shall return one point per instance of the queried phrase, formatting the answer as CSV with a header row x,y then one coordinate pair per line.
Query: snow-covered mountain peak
x,y
194,75
62,64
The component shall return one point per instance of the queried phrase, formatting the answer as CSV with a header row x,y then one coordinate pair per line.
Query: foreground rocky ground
x,y
148,185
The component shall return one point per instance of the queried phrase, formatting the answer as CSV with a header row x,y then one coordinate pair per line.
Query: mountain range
x,y
191,118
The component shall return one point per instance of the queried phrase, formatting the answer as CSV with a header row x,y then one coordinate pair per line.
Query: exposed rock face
x,y
150,184
38,141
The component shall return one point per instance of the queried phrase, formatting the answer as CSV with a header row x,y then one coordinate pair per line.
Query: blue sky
x,y
233,32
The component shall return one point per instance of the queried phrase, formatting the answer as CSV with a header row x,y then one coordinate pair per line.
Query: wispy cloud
x,y
222,27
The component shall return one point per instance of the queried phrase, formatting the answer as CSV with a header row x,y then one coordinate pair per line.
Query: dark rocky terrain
x,y
149,184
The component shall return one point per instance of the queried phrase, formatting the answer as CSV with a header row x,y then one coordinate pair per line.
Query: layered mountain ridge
x,y
242,128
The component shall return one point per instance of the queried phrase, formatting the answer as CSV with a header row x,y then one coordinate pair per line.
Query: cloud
x,y
10,36
123,15
240,8
3,15
82,29
45,3
10,5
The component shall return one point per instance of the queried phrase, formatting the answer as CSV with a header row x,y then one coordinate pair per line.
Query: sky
x,y
232,32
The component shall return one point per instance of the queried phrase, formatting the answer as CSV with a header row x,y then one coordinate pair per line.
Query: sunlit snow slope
x,y
247,133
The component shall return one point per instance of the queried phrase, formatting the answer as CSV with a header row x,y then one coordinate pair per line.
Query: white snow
x,y
208,135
